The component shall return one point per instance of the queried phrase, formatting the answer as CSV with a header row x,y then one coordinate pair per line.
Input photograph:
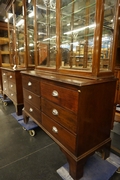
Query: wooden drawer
x,y
5,88
31,98
11,76
64,117
12,86
12,96
61,134
32,111
62,96
31,84
4,75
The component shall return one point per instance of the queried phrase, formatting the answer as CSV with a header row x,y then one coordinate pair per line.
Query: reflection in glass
x,y
107,35
46,29
11,34
20,36
77,32
30,31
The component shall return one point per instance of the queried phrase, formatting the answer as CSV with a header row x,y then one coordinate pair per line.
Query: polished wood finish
x,y
75,106
72,113
12,87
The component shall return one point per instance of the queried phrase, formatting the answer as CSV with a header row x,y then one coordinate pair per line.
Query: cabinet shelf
x,y
5,52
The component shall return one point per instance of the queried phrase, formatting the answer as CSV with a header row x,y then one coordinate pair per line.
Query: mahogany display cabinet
x,y
71,92
20,50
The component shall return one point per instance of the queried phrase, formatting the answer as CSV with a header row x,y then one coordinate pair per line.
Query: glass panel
x,y
11,33
77,33
107,35
20,36
30,31
4,48
46,28
4,33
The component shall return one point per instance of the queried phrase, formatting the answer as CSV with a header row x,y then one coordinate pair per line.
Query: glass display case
x,y
21,34
76,37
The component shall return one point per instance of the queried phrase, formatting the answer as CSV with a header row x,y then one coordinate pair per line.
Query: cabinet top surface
x,y
81,81
12,69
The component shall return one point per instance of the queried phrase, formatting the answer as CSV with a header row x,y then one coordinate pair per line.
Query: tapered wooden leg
x,y
105,150
25,117
76,167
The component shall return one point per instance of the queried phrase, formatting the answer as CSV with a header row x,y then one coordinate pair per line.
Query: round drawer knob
x,y
11,85
4,81
4,74
29,97
55,93
54,129
31,110
29,84
11,94
10,77
55,112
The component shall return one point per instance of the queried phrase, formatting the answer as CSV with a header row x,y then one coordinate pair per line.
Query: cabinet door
x,y
46,33
107,35
30,15
20,33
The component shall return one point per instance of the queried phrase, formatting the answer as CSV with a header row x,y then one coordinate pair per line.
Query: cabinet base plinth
x,y
76,165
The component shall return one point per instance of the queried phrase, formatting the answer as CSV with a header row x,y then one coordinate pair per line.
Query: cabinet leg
x,y
25,117
105,150
76,167
18,109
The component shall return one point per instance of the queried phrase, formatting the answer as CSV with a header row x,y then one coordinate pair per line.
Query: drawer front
x,y
62,96
11,76
5,88
31,84
61,134
34,112
12,86
12,96
4,75
5,85
31,98
64,117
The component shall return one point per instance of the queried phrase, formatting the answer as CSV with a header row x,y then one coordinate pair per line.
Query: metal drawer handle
x,y
29,97
11,85
54,129
10,77
31,110
11,94
55,93
29,84
55,112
